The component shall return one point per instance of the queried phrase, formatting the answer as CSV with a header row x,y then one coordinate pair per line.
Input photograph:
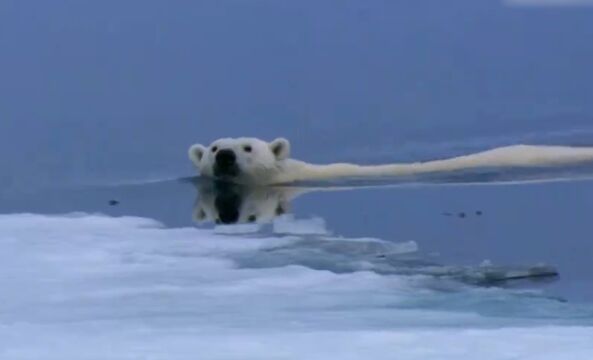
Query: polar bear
x,y
254,161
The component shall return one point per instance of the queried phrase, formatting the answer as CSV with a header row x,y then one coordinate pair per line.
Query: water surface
x,y
102,256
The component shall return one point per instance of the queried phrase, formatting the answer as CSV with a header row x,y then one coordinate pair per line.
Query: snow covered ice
x,y
84,286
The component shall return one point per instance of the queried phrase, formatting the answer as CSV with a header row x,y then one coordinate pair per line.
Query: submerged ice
x,y
85,286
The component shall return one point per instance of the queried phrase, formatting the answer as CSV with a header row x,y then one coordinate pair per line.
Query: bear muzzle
x,y
225,165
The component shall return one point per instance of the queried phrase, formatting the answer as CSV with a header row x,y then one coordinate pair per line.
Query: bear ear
x,y
280,148
196,152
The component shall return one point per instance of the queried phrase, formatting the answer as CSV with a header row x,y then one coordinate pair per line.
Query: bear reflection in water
x,y
228,203
313,246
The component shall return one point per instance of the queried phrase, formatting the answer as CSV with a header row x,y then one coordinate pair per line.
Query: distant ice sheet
x,y
103,342
94,287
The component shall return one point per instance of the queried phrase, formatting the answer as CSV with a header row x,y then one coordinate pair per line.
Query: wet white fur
x,y
269,163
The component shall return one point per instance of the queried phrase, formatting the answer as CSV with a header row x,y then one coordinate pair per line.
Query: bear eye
x,y
252,218
247,148
214,148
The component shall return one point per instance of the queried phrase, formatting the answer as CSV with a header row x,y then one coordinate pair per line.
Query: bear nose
x,y
226,157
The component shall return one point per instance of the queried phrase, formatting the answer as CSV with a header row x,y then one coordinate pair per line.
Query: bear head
x,y
240,160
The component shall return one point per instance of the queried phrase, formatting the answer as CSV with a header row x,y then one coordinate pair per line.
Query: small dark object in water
x,y
479,213
113,202
461,214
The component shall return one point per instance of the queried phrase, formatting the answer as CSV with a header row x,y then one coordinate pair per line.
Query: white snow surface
x,y
86,286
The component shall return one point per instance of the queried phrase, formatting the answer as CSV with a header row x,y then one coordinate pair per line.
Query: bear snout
x,y
225,158
225,165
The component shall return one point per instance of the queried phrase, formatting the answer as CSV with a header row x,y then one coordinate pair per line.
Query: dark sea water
x,y
99,102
